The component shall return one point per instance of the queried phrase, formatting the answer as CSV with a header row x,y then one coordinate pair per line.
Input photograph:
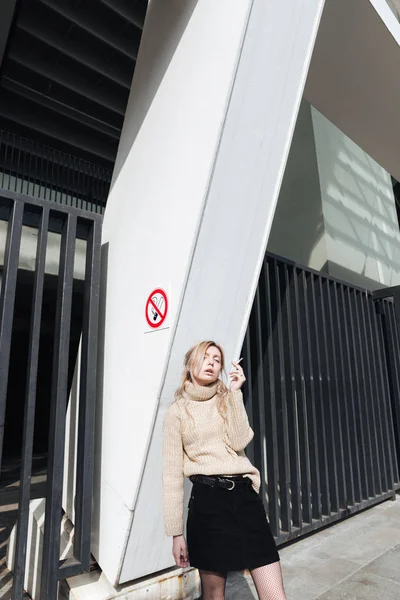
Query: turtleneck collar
x,y
200,392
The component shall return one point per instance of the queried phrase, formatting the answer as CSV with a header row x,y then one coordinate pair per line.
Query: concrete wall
x,y
361,226
336,210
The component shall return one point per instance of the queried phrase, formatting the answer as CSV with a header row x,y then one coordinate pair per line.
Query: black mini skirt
x,y
227,530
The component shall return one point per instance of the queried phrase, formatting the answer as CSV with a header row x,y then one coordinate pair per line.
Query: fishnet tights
x,y
268,582
267,579
212,585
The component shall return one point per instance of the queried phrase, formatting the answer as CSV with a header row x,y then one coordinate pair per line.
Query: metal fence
x,y
71,224
323,397
32,169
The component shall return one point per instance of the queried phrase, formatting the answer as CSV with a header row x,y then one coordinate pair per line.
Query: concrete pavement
x,y
356,559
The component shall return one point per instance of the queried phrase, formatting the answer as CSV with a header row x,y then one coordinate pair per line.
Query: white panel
x,y
109,534
152,216
174,118
235,223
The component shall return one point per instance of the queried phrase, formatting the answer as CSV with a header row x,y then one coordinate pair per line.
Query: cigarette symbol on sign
x,y
156,308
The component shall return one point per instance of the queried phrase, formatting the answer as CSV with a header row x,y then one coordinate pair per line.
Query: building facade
x,y
249,127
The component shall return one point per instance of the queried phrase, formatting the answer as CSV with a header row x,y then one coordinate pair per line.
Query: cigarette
x,y
238,361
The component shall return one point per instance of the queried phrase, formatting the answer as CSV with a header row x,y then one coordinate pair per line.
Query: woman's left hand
x,y
237,378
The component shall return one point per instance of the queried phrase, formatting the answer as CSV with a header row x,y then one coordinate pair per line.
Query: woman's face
x,y
210,368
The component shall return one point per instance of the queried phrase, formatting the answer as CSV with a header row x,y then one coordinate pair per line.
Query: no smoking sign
x,y
156,309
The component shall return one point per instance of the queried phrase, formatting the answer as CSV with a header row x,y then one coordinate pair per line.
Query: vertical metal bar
x,y
62,178
380,392
71,181
368,487
7,299
248,386
87,396
396,330
11,161
302,399
336,409
53,177
259,329
384,405
59,181
17,170
389,412
35,174
372,375
311,417
1,154
3,169
328,404
90,185
292,411
30,174
319,399
348,382
394,353
346,490
78,172
29,417
283,456
59,392
270,410
42,167
355,392
98,207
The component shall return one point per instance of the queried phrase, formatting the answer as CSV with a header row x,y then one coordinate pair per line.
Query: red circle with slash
x,y
156,308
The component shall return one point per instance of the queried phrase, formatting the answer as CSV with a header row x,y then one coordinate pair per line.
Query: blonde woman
x,y
205,432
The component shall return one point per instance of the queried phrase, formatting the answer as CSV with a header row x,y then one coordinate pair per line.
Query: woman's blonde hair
x,y
192,364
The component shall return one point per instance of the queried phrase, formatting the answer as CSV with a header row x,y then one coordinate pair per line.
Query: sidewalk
x,y
356,559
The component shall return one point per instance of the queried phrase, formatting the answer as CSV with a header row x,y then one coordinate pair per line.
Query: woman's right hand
x,y
179,550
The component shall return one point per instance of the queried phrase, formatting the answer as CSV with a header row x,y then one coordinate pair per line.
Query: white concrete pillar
x,y
209,122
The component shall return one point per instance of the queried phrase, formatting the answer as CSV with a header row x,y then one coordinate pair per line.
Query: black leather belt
x,y
228,483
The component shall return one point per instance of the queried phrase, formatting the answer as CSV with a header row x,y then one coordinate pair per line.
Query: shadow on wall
x,y
162,33
360,220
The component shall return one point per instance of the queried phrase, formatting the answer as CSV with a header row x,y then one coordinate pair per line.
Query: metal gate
x,y
71,224
323,390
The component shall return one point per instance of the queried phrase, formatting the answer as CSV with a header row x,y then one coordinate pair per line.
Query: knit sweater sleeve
x,y
173,477
237,428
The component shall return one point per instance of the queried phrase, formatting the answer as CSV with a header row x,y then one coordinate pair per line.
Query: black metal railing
x,y
71,224
32,169
322,397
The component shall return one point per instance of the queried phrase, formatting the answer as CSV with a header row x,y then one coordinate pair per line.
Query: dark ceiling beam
x,y
59,107
41,151
72,81
87,18
79,50
7,9
38,118
134,12
37,82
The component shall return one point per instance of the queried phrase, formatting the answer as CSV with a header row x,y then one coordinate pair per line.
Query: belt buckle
x,y
229,481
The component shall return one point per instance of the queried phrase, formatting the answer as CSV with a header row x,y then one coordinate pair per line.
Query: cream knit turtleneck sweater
x,y
198,440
